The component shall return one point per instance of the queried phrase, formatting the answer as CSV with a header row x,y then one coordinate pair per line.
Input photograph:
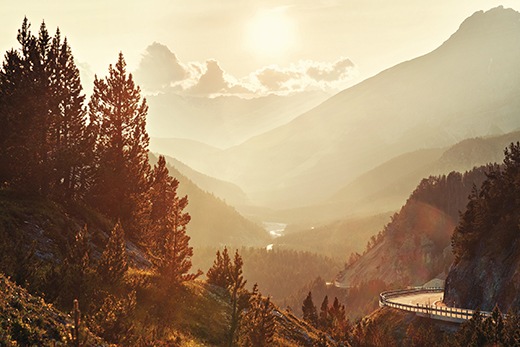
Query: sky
x,y
245,46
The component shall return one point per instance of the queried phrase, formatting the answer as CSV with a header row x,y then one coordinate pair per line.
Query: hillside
x,y
465,88
486,270
388,185
213,222
229,192
414,246
337,239
27,320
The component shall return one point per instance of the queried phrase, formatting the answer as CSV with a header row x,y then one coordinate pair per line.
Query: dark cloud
x,y
159,68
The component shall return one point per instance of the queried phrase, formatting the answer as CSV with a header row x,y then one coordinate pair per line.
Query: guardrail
x,y
452,314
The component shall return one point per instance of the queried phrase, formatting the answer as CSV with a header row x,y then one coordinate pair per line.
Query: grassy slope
x,y
27,320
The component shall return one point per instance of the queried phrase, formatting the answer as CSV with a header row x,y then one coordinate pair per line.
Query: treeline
x,y
493,210
89,163
52,145
418,235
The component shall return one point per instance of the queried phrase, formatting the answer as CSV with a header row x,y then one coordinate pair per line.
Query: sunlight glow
x,y
270,33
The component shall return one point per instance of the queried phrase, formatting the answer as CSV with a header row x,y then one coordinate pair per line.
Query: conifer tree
x,y
77,275
118,118
68,122
219,273
41,114
310,313
258,324
167,240
114,260
24,112
235,288
324,320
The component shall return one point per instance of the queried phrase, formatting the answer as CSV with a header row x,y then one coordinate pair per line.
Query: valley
x,y
179,205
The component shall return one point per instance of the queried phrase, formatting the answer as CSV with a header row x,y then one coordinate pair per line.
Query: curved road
x,y
424,299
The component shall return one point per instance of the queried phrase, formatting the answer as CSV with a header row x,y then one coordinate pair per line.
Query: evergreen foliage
x,y
76,273
310,314
494,330
258,324
235,288
219,273
114,260
494,209
167,241
42,142
120,168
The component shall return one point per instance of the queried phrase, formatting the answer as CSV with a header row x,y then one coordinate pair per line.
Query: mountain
x,y
229,192
486,243
388,185
467,87
414,246
226,120
213,222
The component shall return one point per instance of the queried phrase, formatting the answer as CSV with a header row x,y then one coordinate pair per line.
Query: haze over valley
x,y
238,164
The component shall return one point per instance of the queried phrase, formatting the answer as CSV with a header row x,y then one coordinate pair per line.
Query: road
x,y
427,299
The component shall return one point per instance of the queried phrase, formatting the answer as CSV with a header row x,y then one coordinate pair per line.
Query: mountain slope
x,y
415,246
486,243
226,120
466,87
213,222
26,320
227,191
388,185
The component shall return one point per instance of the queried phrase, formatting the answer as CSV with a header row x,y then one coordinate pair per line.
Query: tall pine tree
x,y
167,241
118,118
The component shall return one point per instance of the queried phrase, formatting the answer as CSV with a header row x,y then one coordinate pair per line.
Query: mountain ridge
x,y
431,101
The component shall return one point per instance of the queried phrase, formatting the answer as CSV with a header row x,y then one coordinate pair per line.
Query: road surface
x,y
428,299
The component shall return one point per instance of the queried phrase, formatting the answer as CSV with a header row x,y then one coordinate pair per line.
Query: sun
x,y
270,33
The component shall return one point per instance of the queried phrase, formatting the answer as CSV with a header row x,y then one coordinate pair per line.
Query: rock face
x,y
486,242
486,280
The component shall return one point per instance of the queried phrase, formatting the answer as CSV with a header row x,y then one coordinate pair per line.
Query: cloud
x,y
274,78
212,81
326,72
305,75
159,68
160,71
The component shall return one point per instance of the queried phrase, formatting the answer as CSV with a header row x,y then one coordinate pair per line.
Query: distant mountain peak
x,y
498,20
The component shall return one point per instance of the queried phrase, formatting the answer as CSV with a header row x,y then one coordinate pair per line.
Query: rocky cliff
x,y
486,242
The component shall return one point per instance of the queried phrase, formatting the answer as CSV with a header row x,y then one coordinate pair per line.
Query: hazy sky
x,y
239,37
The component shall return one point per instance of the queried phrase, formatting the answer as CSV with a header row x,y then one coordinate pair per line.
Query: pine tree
x,y
167,240
118,118
41,114
219,273
68,122
324,321
310,314
76,273
235,288
24,112
258,324
114,261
